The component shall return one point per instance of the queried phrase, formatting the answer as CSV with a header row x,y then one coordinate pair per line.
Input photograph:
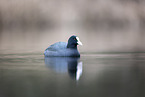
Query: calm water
x,y
93,75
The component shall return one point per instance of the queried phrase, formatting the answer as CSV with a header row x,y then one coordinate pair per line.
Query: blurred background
x,y
102,25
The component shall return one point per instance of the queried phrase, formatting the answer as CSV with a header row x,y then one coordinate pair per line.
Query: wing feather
x,y
57,46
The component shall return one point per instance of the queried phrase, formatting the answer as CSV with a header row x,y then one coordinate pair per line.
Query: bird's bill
x,y
78,41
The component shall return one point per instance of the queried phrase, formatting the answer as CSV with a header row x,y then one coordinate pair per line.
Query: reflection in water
x,y
65,64
104,75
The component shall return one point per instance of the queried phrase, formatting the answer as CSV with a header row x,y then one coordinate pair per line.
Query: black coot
x,y
63,49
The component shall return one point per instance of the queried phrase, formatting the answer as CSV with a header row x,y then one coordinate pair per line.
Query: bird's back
x,y
56,49
57,46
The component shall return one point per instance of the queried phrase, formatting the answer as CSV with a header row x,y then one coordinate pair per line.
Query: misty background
x,y
101,25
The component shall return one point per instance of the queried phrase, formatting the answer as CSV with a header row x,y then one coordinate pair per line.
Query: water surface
x,y
92,75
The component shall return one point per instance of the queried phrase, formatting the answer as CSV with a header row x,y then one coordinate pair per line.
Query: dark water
x,y
93,75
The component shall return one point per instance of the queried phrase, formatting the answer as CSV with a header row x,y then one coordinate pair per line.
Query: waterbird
x,y
64,49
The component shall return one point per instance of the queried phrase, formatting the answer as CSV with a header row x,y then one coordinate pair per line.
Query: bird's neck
x,y
72,46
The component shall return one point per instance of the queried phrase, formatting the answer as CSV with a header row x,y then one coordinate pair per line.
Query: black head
x,y
73,42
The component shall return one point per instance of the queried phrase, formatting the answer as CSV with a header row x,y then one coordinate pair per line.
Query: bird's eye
x,y
75,39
